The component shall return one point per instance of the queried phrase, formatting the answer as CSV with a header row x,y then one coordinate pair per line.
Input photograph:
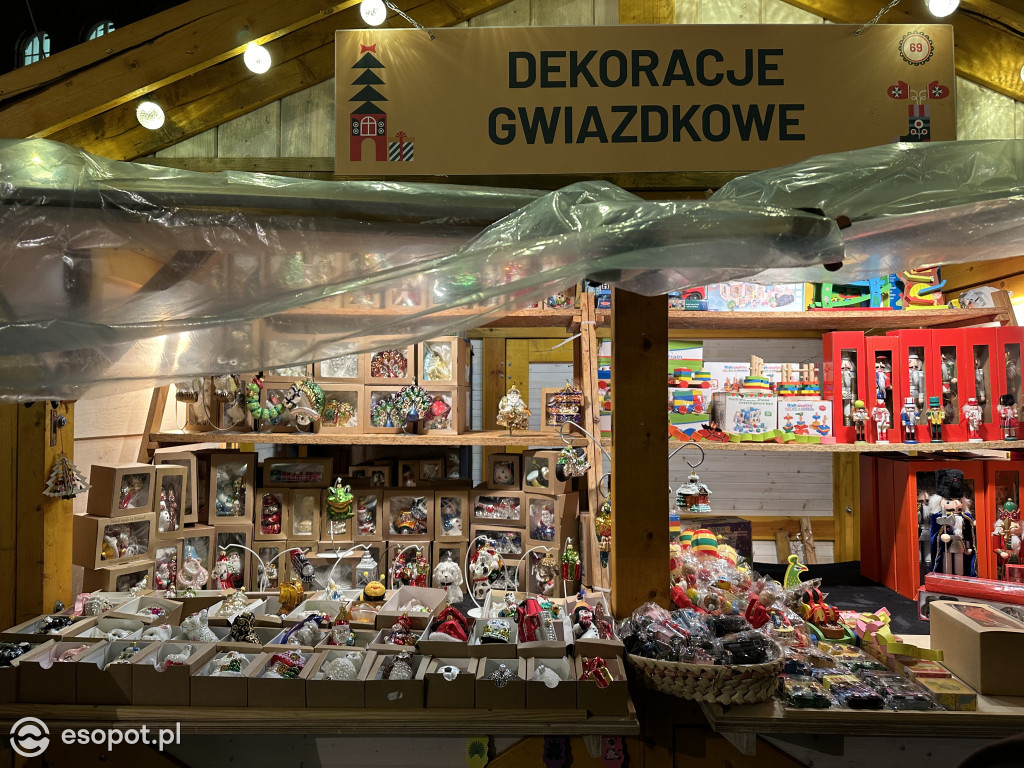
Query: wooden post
x,y
639,546
8,513
586,369
41,565
846,506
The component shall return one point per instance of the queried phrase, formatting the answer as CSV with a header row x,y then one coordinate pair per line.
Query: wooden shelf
x,y
959,447
325,722
524,318
475,437
823,320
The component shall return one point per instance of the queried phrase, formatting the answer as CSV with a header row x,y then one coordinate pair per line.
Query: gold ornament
x,y
513,411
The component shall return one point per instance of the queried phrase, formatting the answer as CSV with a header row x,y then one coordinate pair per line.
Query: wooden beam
x,y
765,528
989,38
224,90
9,512
639,545
846,506
647,11
960,277
204,41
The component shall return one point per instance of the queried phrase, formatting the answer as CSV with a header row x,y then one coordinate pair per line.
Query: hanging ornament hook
x,y
689,445
569,441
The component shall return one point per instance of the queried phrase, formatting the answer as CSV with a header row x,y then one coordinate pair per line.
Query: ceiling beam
x,y
988,37
74,86
226,90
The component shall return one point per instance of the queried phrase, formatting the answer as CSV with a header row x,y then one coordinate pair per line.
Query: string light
x,y
374,12
1022,73
941,8
256,58
149,115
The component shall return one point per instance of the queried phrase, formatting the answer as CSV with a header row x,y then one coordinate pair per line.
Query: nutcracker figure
x,y
971,413
883,420
1006,538
979,377
916,378
849,384
935,414
952,525
1008,416
860,421
909,418
883,378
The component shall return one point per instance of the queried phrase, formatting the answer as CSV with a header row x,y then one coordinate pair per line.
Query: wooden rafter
x,y
222,88
989,38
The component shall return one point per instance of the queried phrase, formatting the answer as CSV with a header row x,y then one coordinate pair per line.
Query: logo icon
x,y
30,737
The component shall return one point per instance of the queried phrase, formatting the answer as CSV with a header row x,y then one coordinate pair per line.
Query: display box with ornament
x,y
163,672
846,378
229,569
222,678
338,675
409,513
451,514
266,564
508,542
408,563
543,474
540,572
381,415
551,518
392,366
983,386
395,681
231,487
304,514
343,406
550,683
498,507
1009,378
117,578
338,518
278,396
277,678
882,361
121,489
454,575
187,461
602,688
451,682
504,472
43,680
167,558
408,293
105,541
343,369
272,508
408,473
431,471
199,553
375,475
370,523
448,412
171,481
304,472
560,405
444,361
501,683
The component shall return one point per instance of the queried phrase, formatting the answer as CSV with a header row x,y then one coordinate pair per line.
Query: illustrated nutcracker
x,y
916,379
1006,538
860,421
883,420
1008,416
952,525
971,414
909,418
935,414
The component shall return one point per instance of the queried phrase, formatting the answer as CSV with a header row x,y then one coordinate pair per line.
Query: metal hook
x,y
688,445
601,483
568,440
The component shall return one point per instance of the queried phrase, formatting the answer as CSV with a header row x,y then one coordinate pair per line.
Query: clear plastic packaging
x,y
801,692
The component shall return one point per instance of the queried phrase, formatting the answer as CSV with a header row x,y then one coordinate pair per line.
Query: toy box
x,y
751,297
805,417
751,416
734,531
845,378
976,640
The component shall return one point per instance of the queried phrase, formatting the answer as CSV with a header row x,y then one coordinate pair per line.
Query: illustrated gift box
x,y
844,386
298,472
121,489
231,487
444,361
101,541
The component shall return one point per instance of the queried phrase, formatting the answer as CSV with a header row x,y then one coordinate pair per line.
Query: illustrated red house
x,y
368,121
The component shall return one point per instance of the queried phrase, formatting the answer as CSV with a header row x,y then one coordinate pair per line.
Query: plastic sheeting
x,y
118,276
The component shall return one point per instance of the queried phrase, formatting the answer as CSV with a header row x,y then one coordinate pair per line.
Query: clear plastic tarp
x,y
120,276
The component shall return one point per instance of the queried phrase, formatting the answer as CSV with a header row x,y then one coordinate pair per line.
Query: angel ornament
x,y
513,411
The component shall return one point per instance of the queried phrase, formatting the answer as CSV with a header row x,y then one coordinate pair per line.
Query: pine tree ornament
x,y
65,481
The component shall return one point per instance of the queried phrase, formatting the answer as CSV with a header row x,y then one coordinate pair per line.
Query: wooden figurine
x,y
935,415
859,416
909,419
883,420
1008,416
971,413
952,525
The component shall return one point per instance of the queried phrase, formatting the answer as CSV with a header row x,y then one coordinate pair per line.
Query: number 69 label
x,y
916,48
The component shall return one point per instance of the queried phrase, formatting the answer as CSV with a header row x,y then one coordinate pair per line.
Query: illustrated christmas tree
x,y
368,78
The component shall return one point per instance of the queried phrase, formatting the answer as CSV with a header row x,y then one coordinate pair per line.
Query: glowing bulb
x,y
1022,73
149,115
942,8
373,12
256,58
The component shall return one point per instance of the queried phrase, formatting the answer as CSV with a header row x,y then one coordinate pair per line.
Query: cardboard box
x,y
121,489
395,694
510,696
480,650
503,472
734,531
371,425
343,408
200,541
166,561
508,542
298,472
551,518
369,523
223,613
330,607
117,578
451,515
802,417
272,508
976,639
408,473
430,471
501,508
409,513
562,696
225,691
266,635
444,361
542,580
612,700
171,481
231,488
345,369
186,460
457,693
751,416
283,693
104,624
450,411
545,648
540,473
32,630
331,694
391,367
950,693
370,475
42,679
100,682
9,675
594,646
149,609
304,512
270,553
409,293
101,541
275,392
232,571
433,599
363,300
558,407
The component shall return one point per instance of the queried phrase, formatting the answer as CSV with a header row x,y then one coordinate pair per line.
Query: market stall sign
x,y
634,98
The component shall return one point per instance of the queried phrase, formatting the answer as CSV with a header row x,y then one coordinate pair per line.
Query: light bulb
x,y
256,58
373,12
1022,73
942,8
149,115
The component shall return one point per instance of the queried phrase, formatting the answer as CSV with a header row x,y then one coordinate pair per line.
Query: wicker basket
x,y
712,683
